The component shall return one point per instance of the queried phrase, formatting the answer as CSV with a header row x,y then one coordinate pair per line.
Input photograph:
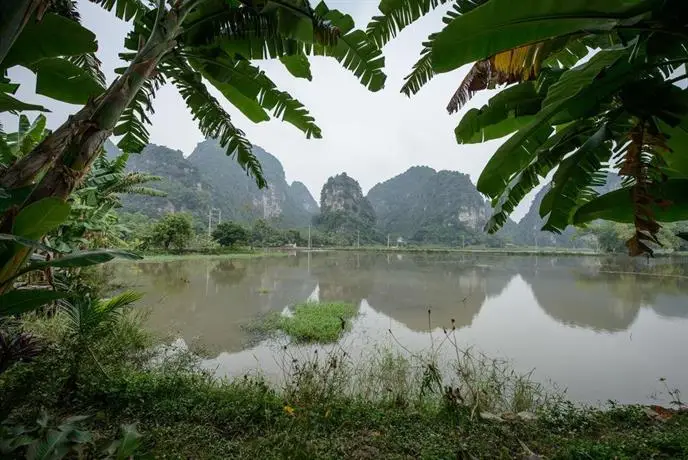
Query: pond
x,y
603,328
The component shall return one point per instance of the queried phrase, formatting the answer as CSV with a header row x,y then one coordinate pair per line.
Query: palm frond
x,y
216,21
91,65
257,93
124,9
115,305
397,15
575,180
422,72
353,49
477,79
549,155
516,65
65,8
212,119
132,123
130,184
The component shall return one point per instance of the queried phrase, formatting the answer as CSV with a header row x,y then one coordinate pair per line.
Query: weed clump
x,y
311,321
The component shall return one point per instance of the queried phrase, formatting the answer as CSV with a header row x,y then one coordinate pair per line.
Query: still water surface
x,y
603,328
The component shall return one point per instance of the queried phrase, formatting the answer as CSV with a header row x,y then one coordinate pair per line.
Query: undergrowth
x,y
392,405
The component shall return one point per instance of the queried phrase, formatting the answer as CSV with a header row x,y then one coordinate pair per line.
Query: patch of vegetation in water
x,y
310,322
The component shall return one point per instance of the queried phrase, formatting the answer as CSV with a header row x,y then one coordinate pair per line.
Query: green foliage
x,y
40,217
23,300
15,145
173,230
497,26
569,117
318,322
52,439
230,234
93,221
48,48
311,321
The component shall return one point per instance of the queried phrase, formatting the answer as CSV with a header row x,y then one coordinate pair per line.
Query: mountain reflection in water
x,y
603,327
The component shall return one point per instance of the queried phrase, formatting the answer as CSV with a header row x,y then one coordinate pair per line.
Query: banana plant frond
x,y
252,92
576,180
90,64
212,119
132,123
421,74
354,49
516,65
215,21
124,9
396,16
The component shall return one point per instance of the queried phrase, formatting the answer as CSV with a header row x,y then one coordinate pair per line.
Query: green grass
x,y
393,406
227,256
310,321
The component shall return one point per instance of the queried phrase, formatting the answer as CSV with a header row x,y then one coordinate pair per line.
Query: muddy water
x,y
603,328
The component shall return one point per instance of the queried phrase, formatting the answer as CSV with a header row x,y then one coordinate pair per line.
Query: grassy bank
x,y
446,250
158,257
389,407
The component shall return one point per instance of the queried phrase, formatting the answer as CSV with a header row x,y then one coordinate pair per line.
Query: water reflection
x,y
208,300
619,319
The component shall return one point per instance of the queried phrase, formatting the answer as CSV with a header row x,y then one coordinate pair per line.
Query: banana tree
x,y
572,117
190,43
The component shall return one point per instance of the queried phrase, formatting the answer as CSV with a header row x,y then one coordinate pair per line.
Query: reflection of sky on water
x,y
588,324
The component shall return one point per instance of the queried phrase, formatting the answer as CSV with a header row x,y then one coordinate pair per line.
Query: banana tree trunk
x,y
14,15
75,145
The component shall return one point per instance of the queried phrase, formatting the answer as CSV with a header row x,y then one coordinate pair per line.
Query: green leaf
x,y
83,259
508,111
515,154
23,300
617,206
213,120
354,50
65,81
27,242
250,90
130,442
396,16
677,140
573,82
40,217
15,197
499,26
573,180
124,9
549,155
298,65
12,105
51,37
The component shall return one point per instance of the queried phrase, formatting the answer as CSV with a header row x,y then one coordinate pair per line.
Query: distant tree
x,y
230,233
173,230
294,237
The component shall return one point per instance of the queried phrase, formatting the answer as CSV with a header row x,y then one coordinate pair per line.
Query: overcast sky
x,y
370,136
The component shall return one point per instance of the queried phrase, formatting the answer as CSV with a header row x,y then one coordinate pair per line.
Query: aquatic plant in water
x,y
312,321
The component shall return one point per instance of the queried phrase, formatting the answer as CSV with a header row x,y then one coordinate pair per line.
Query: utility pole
x,y
358,239
212,211
309,237
388,241
463,241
